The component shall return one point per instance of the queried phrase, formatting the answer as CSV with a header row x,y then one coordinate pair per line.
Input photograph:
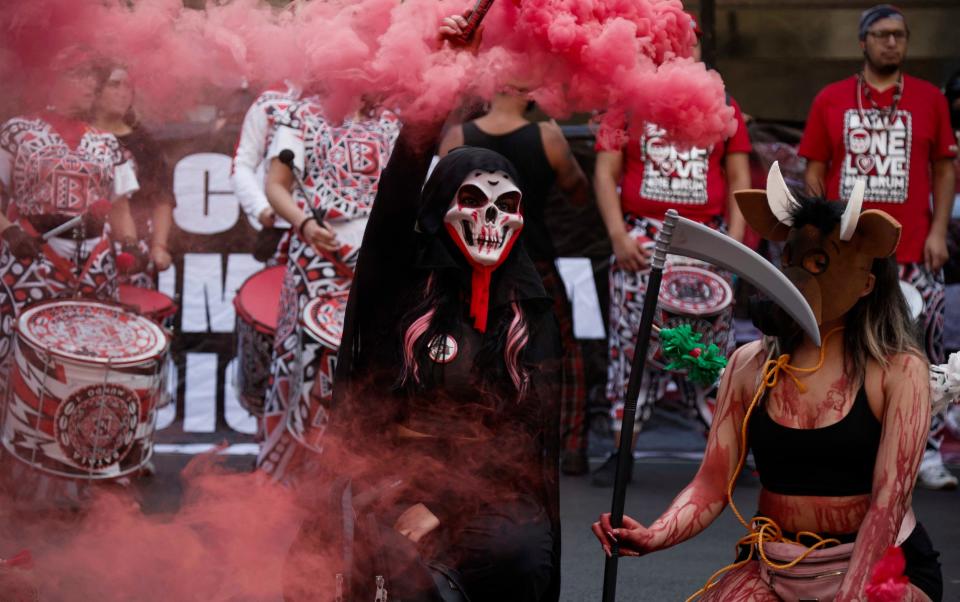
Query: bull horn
x,y
778,196
851,215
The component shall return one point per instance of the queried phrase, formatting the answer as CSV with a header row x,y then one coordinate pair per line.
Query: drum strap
x,y
63,266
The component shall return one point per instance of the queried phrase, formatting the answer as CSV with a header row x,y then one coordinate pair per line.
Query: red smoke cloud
x,y
584,55
228,541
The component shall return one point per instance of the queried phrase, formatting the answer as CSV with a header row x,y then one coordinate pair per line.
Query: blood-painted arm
x,y
906,420
702,501
570,177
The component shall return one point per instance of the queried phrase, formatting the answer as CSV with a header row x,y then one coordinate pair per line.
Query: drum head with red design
x,y
96,425
91,333
694,291
323,318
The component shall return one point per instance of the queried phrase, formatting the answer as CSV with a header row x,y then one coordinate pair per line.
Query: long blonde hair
x,y
878,327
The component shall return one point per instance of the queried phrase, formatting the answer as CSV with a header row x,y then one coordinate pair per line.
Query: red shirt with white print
x,y
658,177
894,155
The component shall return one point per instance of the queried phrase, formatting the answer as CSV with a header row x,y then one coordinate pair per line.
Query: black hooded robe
x,y
489,472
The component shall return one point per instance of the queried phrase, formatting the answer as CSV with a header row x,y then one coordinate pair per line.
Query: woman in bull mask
x,y
837,432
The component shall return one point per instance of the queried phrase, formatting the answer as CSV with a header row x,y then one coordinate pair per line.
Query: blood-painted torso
x,y
342,163
58,166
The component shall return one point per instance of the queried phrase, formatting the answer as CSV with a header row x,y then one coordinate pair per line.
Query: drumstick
x,y
286,157
97,211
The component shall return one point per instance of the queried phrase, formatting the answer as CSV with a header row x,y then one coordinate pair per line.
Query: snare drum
x,y
322,327
257,307
148,303
85,382
696,296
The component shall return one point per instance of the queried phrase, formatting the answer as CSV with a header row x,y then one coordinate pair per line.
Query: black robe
x,y
502,451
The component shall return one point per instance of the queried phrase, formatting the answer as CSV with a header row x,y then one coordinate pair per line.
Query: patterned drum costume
x,y
692,293
337,169
55,168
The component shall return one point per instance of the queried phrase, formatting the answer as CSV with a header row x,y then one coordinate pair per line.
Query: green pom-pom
x,y
682,347
678,342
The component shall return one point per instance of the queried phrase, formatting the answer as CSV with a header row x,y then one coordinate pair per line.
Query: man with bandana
x,y
894,130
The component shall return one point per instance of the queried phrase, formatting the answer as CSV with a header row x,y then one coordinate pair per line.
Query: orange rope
x,y
762,529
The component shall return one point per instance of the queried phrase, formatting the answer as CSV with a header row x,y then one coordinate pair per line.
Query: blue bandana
x,y
874,14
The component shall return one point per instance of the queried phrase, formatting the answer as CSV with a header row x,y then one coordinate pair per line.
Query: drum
x,y
257,306
322,325
148,303
698,297
690,294
85,383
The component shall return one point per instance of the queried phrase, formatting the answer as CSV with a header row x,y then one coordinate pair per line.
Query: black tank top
x,y
524,148
835,460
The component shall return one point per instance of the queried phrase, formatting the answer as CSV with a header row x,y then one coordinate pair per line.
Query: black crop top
x,y
835,460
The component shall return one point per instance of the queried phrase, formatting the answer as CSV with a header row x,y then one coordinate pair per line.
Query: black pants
x,y
503,553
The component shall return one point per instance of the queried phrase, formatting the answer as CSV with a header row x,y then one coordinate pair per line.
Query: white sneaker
x,y
933,474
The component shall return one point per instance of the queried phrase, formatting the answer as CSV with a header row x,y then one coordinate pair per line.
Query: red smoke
x,y
228,541
582,55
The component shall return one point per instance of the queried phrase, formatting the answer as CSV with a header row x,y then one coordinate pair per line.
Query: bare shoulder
x,y
551,129
905,378
906,365
744,366
552,136
451,139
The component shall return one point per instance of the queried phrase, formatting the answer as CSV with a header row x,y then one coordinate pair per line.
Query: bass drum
x,y
86,380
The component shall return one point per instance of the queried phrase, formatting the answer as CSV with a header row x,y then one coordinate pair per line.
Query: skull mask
x,y
484,217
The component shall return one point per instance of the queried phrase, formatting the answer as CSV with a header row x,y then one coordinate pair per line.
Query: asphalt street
x,y
658,476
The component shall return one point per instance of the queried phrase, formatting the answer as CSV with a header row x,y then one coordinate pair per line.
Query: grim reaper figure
x,y
444,409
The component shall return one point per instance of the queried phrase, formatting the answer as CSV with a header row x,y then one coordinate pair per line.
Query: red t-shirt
x,y
895,157
658,177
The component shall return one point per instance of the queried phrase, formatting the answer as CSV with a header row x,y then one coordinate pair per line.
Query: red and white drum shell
x,y
161,309
693,295
148,303
85,384
322,327
257,305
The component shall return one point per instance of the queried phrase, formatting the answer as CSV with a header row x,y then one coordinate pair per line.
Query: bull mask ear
x,y
851,215
877,233
778,195
756,211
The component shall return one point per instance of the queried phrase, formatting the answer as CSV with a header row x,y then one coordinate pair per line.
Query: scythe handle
x,y
633,392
